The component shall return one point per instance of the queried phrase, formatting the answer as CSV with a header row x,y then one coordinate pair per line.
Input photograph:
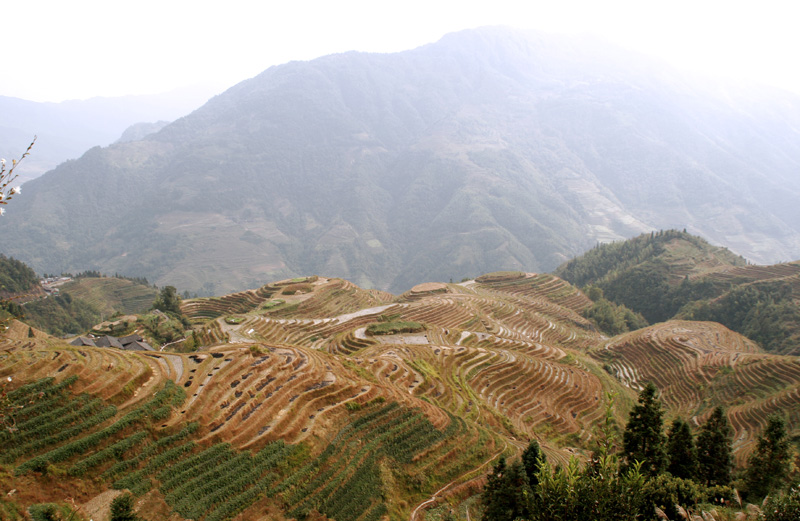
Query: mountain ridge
x,y
477,152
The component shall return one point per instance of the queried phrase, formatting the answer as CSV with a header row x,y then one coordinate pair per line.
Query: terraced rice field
x,y
297,408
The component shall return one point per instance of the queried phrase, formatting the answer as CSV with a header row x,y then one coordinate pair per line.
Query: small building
x,y
128,343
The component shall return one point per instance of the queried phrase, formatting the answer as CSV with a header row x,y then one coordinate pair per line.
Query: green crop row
x,y
148,451
40,388
377,437
51,408
189,468
235,482
117,450
138,482
298,477
377,512
422,435
43,429
182,498
242,501
225,481
353,498
61,453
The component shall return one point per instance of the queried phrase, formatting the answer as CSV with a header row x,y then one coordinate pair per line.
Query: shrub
x,y
784,507
291,289
122,508
667,492
393,328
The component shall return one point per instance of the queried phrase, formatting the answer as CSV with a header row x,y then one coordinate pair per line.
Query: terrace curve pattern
x,y
294,407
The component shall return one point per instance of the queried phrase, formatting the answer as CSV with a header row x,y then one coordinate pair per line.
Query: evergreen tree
x,y
505,497
122,508
530,460
681,451
492,497
168,301
643,439
714,454
768,466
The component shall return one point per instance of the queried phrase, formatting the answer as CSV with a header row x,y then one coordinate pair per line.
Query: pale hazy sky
x,y
55,50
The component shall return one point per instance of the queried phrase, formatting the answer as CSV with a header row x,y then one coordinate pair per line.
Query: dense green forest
x,y
660,276
61,315
765,313
16,276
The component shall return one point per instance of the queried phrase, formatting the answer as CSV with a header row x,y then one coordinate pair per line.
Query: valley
x,y
356,426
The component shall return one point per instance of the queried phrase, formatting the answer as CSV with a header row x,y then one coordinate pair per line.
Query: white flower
x,y
2,211
3,160
9,378
16,190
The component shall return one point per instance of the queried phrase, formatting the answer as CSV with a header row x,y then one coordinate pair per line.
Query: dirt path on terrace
x,y
439,492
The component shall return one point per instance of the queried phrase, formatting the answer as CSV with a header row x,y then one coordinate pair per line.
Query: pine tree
x,y
768,466
714,454
122,508
505,497
681,451
530,461
492,496
644,440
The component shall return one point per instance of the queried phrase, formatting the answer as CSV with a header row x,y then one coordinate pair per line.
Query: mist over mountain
x,y
490,149
67,129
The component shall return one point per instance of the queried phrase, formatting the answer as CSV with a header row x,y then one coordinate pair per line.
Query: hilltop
x,y
672,274
315,395
489,149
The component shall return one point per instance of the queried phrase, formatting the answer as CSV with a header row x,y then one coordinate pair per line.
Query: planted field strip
x,y
344,481
110,294
127,468
755,377
546,286
280,394
214,307
464,448
532,391
680,358
337,297
758,273
749,419
81,435
438,310
218,482
114,451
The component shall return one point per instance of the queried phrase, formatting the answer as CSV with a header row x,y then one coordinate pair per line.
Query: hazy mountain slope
x,y
491,149
68,129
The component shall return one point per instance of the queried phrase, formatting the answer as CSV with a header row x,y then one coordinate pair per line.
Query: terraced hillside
x,y
672,274
112,294
296,405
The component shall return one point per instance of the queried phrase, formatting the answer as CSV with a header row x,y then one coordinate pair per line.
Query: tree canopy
x,y
643,439
714,453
